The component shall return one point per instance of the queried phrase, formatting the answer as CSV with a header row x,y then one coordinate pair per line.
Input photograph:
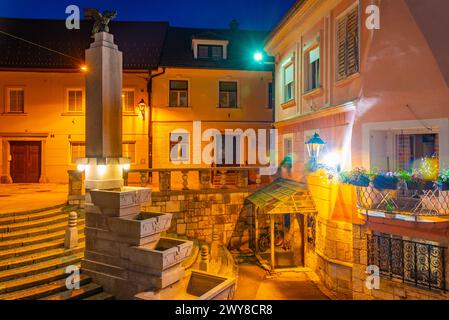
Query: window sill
x,y
345,81
79,114
288,104
14,114
228,108
313,93
178,107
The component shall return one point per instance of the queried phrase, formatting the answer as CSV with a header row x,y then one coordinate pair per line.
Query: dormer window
x,y
208,49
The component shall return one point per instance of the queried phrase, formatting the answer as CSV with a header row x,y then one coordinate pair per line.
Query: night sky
x,y
251,14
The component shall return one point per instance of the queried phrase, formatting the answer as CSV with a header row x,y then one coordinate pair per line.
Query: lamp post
x,y
314,145
142,108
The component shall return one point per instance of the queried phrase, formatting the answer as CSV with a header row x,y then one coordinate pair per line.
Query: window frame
x,y
343,15
73,161
270,95
178,91
237,94
210,48
8,99
126,112
67,100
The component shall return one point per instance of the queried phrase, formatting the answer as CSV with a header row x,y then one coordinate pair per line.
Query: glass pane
x,y
228,86
203,51
224,101
173,98
217,52
178,84
314,55
183,98
288,74
232,99
129,101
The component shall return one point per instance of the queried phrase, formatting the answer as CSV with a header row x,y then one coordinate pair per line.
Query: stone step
x,y
16,262
84,291
34,231
43,290
35,248
40,267
29,212
33,280
61,217
29,217
100,296
59,233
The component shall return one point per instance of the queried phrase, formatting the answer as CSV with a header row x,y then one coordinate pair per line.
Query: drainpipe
x,y
150,118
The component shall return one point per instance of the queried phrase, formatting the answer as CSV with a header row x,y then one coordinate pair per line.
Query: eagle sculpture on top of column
x,y
101,19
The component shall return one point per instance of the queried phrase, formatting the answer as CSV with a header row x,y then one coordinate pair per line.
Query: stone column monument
x,y
124,249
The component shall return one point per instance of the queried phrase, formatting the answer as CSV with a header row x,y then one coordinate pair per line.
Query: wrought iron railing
x,y
423,201
415,263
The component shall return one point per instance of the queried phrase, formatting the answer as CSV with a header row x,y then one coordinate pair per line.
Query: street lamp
x,y
142,107
258,56
314,145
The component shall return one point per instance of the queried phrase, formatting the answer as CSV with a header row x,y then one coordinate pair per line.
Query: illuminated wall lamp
x,y
314,145
142,108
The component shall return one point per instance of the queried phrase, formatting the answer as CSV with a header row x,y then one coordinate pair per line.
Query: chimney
x,y
234,25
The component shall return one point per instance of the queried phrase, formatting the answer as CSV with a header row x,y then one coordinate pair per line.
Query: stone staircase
x,y
33,259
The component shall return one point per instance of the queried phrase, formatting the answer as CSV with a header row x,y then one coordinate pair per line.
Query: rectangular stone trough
x,y
141,225
199,286
122,202
156,257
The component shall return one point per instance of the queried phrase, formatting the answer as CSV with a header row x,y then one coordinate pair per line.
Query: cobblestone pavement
x,y
31,196
254,283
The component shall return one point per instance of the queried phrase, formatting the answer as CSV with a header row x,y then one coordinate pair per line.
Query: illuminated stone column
x,y
104,114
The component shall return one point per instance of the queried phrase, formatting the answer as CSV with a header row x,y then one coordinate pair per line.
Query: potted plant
x,y
386,181
443,181
357,177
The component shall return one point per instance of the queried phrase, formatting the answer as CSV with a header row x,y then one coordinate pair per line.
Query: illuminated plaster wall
x,y
252,111
46,119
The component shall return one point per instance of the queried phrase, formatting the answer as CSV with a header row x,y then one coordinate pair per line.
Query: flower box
x,y
360,181
384,182
420,185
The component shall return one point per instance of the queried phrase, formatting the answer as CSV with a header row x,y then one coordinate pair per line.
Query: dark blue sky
x,y
252,14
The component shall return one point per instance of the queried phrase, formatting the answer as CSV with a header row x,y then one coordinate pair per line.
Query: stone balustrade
x,y
183,179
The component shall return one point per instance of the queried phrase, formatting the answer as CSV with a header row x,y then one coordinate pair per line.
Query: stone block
x,y
173,206
165,279
120,203
181,228
144,225
161,256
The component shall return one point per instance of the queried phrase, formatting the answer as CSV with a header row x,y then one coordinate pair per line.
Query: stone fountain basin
x,y
198,286
124,201
161,255
141,225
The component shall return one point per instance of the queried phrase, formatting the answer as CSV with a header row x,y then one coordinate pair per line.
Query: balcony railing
x,y
420,264
427,200
197,178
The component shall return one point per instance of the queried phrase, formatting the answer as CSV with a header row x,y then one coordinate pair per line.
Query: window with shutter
x,y
348,44
75,100
128,104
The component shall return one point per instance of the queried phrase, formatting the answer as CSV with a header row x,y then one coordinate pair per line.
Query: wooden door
x,y
25,161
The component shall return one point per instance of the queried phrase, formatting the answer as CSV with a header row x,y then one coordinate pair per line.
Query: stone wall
x,y
389,289
331,258
198,214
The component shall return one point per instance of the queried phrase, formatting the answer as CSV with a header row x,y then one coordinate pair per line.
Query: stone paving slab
x,y
253,284
20,197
